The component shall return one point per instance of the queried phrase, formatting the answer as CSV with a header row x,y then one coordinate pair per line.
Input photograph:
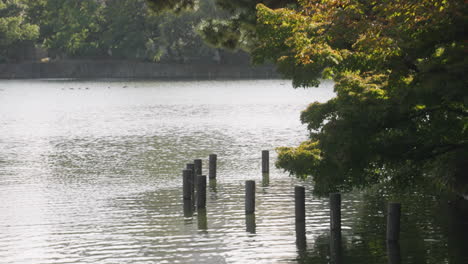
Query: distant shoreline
x,y
132,69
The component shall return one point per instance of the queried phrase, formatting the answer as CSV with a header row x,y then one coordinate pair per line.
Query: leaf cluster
x,y
234,26
14,27
399,115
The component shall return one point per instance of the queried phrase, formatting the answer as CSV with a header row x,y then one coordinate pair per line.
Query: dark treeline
x,y
105,29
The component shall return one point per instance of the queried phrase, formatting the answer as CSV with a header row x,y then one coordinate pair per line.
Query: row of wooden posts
x,y
194,180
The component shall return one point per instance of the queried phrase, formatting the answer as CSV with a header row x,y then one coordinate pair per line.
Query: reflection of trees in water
x,y
432,231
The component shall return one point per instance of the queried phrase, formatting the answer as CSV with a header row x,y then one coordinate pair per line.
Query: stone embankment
x,y
125,69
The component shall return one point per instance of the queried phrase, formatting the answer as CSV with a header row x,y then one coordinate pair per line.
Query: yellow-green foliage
x,y
301,160
14,27
400,112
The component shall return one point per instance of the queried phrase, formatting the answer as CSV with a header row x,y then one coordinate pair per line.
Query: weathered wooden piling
x,y
249,197
202,219
336,256
265,161
188,208
301,240
299,202
191,166
335,212
213,185
201,191
336,248
393,252
212,166
299,205
198,167
187,184
393,221
265,179
250,224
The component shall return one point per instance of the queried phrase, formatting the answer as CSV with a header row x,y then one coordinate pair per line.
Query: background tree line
x,y
105,29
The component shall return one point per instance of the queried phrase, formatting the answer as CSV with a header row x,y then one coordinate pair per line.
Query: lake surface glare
x,y
91,172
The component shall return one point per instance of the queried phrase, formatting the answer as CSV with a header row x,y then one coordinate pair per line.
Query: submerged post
x,y
197,167
301,239
265,161
335,229
191,167
299,202
393,222
201,194
250,223
393,252
249,197
187,184
212,166
188,208
336,249
335,212
202,219
265,179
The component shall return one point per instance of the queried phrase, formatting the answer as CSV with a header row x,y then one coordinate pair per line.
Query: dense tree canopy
x,y
400,112
234,26
105,29
15,30
72,27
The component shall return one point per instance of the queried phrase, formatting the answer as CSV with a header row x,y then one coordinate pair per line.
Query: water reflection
x,y
364,241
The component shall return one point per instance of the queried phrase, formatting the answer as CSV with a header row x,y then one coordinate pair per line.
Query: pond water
x,y
90,172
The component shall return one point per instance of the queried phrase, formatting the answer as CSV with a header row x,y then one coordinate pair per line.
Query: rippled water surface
x,y
90,172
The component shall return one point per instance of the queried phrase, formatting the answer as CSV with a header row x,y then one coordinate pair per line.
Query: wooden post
x,y
265,161
250,197
299,204
187,184
201,194
299,201
301,240
191,167
336,251
213,185
188,208
335,228
265,179
393,221
393,252
212,166
250,223
198,167
335,212
202,219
